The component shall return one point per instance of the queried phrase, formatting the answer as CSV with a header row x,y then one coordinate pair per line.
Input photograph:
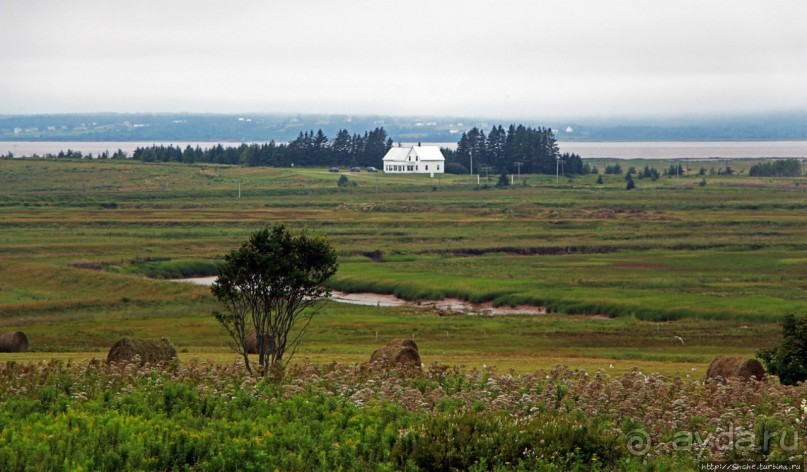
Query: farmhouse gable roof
x,y
428,153
414,154
397,154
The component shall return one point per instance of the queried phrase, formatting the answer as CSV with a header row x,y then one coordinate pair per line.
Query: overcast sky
x,y
499,58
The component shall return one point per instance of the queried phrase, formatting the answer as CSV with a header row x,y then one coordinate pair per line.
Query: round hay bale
x,y
252,343
731,367
13,341
147,350
398,351
403,343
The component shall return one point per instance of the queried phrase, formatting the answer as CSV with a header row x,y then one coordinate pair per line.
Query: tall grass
x,y
170,269
727,253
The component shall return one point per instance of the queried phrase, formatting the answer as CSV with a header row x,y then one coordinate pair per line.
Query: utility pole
x,y
518,167
557,170
472,164
239,190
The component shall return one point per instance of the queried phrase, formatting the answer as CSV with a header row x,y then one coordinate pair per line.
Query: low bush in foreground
x,y
204,416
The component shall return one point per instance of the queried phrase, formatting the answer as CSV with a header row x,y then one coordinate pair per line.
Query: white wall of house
x,y
414,160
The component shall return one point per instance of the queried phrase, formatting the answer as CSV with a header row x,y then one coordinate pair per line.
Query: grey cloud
x,y
379,56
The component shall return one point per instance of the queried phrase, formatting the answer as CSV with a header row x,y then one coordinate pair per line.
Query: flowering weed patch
x,y
205,416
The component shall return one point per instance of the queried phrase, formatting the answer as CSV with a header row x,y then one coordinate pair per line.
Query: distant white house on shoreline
x,y
414,160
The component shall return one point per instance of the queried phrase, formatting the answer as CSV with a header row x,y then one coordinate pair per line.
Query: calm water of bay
x,y
619,150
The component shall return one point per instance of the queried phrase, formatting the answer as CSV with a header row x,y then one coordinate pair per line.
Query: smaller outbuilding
x,y
414,160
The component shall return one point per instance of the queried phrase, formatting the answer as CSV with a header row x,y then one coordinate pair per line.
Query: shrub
x,y
456,168
777,168
172,269
492,441
789,359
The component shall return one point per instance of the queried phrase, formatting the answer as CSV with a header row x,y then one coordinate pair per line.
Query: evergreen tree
x,y
375,146
341,151
188,155
778,168
472,148
320,151
496,142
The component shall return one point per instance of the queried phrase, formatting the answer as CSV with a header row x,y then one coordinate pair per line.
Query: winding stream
x,y
450,305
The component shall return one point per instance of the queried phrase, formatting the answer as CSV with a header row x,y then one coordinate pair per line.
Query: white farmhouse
x,y
414,160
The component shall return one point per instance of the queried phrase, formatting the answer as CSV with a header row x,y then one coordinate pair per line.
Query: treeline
x,y
517,149
777,168
308,149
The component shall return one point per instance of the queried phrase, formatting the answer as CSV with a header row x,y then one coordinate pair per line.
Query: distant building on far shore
x,y
414,160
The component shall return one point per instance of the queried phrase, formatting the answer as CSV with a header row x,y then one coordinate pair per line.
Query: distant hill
x,y
285,127
767,127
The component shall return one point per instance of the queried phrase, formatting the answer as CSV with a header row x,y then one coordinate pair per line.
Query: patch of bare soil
x,y
455,305
368,299
445,307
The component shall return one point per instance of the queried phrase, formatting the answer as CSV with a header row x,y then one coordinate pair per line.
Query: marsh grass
x,y
170,269
669,255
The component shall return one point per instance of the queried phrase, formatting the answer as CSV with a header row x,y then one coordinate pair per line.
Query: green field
x,y
642,289
622,273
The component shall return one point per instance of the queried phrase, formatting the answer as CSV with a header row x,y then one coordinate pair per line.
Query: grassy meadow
x,y
624,275
641,290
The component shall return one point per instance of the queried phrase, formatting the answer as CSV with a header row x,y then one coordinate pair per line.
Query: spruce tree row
x,y
777,168
518,149
308,149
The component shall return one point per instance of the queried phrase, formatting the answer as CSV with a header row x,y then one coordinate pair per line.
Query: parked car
x,y
355,169
333,169
372,169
